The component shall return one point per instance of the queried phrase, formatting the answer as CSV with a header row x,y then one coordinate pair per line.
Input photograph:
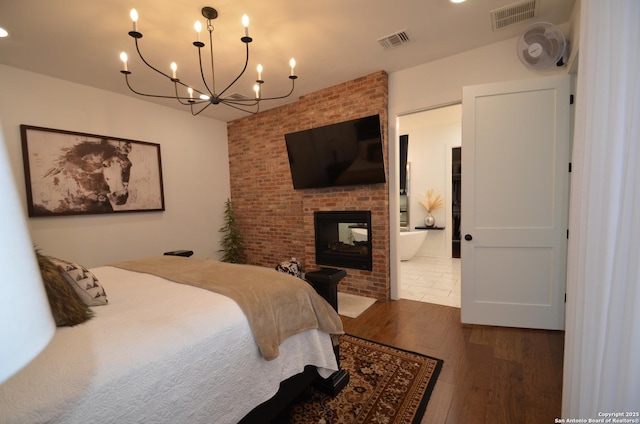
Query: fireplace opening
x,y
343,239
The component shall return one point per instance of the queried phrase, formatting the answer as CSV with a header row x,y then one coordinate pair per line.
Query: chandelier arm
x,y
177,96
242,109
177,81
246,62
126,76
293,83
213,70
189,100
203,108
174,80
204,80
240,102
147,63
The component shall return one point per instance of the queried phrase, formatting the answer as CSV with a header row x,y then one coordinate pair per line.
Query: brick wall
x,y
276,221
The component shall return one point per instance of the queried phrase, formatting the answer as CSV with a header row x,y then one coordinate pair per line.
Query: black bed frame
x,y
325,282
290,389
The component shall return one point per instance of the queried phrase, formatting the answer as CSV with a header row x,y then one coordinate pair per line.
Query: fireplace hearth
x,y
343,239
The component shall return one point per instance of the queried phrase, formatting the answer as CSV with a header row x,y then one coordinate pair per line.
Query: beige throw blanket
x,y
277,305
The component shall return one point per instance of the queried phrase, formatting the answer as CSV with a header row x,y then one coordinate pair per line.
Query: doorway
x,y
433,274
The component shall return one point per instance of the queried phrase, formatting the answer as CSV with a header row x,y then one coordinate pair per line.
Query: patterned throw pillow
x,y
83,282
66,306
291,267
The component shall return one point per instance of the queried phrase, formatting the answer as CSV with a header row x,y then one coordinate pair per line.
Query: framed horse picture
x,y
72,173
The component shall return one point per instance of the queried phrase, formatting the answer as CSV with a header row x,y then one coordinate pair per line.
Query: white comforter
x,y
160,352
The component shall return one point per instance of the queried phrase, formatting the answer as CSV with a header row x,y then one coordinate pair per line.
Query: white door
x,y
515,197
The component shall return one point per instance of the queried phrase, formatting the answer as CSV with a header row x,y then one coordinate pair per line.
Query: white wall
x,y
195,169
440,83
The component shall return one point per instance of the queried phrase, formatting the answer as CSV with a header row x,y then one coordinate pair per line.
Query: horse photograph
x,y
70,173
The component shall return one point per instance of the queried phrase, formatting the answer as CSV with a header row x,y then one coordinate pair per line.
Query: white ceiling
x,y
333,41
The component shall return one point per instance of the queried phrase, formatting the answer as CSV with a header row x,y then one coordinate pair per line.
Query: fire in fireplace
x,y
343,239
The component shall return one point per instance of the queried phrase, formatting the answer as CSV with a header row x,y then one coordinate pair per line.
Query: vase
x,y
429,220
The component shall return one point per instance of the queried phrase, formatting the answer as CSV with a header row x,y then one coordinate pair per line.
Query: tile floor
x,y
431,280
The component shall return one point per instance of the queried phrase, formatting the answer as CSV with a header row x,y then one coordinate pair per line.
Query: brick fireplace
x,y
276,221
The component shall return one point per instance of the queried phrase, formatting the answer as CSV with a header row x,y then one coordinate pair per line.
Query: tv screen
x,y
347,153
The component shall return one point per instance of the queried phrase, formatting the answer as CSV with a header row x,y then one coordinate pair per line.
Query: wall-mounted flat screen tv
x,y
346,153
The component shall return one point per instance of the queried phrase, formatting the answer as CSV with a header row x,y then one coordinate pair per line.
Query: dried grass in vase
x,y
431,202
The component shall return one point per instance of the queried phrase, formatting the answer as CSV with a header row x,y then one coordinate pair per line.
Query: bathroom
x,y
430,266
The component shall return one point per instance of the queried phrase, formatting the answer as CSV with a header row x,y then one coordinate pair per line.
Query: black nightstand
x,y
325,282
185,253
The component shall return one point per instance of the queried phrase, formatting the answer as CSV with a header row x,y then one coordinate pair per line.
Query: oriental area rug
x,y
386,385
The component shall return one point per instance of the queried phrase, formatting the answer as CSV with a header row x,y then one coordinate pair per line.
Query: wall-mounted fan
x,y
541,46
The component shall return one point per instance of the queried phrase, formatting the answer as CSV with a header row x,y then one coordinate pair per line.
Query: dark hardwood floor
x,y
490,374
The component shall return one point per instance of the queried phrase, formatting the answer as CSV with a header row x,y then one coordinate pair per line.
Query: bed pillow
x,y
82,281
66,306
291,267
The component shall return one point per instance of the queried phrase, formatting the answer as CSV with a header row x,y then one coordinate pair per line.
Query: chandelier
x,y
200,99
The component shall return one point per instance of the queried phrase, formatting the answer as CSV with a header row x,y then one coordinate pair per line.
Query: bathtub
x,y
409,243
359,234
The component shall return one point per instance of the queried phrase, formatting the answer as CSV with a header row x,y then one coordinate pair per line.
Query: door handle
x,y
468,237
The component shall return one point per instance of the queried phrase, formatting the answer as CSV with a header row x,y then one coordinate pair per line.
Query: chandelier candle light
x,y
209,95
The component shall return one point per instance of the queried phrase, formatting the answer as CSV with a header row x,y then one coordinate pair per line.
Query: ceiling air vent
x,y
513,14
237,96
394,40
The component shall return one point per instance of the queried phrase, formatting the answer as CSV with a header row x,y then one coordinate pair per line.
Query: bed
x,y
161,352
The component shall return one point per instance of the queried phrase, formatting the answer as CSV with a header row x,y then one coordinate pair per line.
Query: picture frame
x,y
74,173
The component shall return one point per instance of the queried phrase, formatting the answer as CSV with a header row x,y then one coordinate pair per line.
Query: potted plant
x,y
231,242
